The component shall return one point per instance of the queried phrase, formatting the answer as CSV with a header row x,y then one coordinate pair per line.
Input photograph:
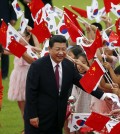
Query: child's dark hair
x,y
84,55
76,50
27,33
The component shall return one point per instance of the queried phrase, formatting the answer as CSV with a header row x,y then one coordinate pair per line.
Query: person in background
x,y
17,84
82,105
72,54
8,14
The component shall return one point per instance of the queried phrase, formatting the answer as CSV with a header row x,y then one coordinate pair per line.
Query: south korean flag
x,y
78,121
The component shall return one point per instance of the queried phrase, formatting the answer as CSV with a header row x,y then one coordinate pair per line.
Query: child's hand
x,y
116,111
107,65
106,19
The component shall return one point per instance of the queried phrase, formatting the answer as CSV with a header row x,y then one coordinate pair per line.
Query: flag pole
x,y
108,80
107,75
104,54
109,27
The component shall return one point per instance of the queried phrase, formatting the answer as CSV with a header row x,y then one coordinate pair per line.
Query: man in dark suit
x,y
48,82
8,14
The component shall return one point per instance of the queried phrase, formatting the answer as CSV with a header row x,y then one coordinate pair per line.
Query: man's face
x,y
58,52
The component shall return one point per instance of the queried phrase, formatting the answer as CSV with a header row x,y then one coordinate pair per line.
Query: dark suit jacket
x,y
42,98
6,11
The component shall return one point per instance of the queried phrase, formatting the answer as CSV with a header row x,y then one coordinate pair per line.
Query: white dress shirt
x,y
60,72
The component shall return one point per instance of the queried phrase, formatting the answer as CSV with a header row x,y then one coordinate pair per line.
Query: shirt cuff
x,y
103,97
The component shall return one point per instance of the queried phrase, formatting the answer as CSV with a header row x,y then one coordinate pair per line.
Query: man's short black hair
x,y
57,38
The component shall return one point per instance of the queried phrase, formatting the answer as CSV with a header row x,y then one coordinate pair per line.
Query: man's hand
x,y
34,122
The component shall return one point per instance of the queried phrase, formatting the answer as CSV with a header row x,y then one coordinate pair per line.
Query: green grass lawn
x,y
10,117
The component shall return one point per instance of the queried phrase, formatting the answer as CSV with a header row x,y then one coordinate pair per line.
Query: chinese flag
x,y
118,42
41,31
91,79
113,36
107,4
97,121
81,12
115,129
73,17
3,33
70,13
16,48
91,49
38,19
73,31
117,24
35,6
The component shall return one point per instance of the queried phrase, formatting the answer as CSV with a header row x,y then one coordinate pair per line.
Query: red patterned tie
x,y
57,75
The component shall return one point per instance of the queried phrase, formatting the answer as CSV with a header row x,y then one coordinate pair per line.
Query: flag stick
x,y
79,30
108,80
109,27
109,77
80,18
104,54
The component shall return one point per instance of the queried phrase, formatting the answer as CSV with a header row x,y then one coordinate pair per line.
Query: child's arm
x,y
28,58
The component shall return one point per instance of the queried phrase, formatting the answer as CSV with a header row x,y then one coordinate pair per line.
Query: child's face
x,y
79,67
108,51
25,38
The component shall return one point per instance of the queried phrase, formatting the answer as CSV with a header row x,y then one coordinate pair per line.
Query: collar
x,y
54,63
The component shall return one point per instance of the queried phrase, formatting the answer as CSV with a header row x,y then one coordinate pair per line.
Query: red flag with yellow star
x,y
16,48
91,79
73,18
73,30
113,36
117,24
41,31
3,33
91,49
97,121
82,12
35,6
